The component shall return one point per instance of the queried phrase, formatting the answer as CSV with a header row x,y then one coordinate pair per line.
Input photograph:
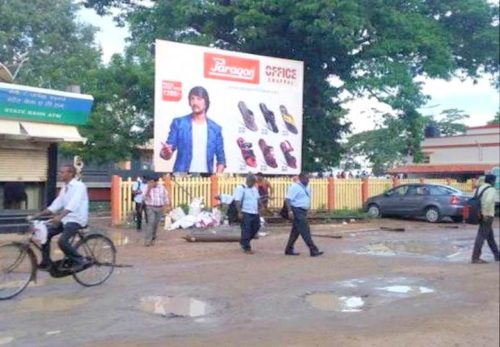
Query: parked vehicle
x,y
432,201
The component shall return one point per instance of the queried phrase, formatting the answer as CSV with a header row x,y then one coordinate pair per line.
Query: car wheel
x,y
374,211
432,215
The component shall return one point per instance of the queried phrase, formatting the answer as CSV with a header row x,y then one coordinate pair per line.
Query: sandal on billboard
x,y
268,152
247,152
286,148
248,116
269,117
288,119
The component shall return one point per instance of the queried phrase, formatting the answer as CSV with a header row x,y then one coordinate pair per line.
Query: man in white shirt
x,y
70,211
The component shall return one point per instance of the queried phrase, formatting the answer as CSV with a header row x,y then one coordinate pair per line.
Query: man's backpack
x,y
473,208
232,211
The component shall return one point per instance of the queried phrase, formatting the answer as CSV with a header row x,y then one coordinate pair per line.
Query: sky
x,y
480,101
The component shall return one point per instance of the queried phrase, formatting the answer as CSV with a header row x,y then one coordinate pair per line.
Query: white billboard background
x,y
280,83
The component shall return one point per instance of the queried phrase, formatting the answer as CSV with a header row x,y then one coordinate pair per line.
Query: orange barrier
x,y
327,193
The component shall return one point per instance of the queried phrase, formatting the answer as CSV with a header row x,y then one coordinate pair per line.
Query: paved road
x,y
371,288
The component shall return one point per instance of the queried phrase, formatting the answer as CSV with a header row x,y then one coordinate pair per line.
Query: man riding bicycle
x,y
70,211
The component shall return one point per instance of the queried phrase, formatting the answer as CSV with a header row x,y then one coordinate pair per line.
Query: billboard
x,y
223,111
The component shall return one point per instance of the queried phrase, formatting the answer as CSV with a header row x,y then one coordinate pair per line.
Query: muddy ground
x,y
372,287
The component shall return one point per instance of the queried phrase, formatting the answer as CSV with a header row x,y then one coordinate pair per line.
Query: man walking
x,y
156,200
247,202
485,231
138,194
298,200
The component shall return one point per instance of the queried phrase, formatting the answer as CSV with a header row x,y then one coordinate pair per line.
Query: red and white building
x,y
461,156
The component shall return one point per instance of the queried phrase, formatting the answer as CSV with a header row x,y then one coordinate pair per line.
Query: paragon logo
x,y
230,68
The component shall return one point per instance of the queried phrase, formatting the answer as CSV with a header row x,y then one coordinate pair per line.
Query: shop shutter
x,y
25,165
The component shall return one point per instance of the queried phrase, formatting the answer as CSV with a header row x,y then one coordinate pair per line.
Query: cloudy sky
x,y
480,100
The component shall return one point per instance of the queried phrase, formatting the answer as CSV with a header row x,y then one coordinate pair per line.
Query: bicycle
x,y
19,265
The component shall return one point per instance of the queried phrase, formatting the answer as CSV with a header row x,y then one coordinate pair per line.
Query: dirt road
x,y
372,287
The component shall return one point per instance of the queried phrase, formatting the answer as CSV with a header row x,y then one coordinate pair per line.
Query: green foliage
x,y
43,43
121,120
375,47
495,120
449,122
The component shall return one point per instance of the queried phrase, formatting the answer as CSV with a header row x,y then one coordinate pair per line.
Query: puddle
x,y
407,289
5,340
51,304
119,239
332,302
357,295
446,251
171,307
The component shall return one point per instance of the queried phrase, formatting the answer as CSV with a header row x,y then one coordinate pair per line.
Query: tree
x,y
121,120
375,47
495,120
449,122
43,44
382,147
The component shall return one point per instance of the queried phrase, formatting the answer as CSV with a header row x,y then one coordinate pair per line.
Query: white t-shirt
x,y
138,185
200,138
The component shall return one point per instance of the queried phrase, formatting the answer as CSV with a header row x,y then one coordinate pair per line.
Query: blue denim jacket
x,y
181,139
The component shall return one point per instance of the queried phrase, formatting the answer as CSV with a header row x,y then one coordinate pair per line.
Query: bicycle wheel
x,y
101,252
17,269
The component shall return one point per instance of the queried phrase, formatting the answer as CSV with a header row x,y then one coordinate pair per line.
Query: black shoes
x,y
269,117
479,261
44,266
291,253
316,253
248,116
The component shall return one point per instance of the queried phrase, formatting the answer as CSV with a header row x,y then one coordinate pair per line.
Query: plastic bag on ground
x,y
177,214
184,223
195,207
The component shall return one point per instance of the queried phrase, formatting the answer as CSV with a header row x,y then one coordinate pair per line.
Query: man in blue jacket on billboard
x,y
196,138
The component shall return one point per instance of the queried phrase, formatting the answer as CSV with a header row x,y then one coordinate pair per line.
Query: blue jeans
x,y
250,225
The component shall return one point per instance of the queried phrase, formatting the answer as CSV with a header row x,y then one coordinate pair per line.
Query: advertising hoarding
x,y
219,110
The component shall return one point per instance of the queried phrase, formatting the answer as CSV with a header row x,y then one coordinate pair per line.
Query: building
x,y
32,123
461,156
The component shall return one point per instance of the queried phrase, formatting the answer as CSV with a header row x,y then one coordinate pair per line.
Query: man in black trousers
x,y
298,200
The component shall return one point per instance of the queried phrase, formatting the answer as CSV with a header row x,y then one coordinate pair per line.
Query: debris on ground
x,y
329,236
392,229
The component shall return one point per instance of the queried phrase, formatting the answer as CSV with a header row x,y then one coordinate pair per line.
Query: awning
x,y
44,132
444,168
10,127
